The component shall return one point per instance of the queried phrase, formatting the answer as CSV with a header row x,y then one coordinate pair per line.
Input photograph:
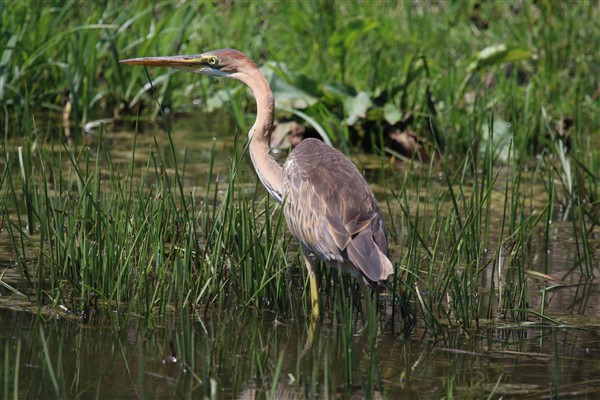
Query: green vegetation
x,y
500,100
494,95
387,65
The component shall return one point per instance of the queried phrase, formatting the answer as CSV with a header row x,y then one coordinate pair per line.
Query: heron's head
x,y
222,63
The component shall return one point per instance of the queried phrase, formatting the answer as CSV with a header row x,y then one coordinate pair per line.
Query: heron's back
x,y
331,210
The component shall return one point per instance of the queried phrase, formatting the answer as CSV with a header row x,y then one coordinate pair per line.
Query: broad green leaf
x,y
499,137
338,91
392,113
496,54
4,61
220,99
290,92
356,107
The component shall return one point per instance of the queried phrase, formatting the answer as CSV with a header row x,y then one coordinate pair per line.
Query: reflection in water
x,y
241,356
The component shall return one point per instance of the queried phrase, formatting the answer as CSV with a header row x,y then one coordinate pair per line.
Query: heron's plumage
x,y
331,210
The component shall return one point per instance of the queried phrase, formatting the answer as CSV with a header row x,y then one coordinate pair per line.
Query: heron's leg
x,y
310,335
311,264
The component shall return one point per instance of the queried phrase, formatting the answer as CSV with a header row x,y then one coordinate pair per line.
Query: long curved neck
x,y
268,170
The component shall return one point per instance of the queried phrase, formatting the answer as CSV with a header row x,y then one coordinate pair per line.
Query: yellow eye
x,y
213,61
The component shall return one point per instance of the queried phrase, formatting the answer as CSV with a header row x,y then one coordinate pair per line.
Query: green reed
x,y
107,235
92,235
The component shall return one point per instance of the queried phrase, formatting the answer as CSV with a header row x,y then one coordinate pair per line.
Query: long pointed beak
x,y
198,63
181,62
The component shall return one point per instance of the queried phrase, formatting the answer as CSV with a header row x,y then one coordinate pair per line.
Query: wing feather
x,y
331,210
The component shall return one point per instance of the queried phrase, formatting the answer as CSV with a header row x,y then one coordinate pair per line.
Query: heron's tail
x,y
364,253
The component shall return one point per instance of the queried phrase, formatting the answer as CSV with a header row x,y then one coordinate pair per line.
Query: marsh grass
x,y
116,237
463,262
109,234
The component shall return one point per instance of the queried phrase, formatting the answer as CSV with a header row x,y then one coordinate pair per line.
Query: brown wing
x,y
331,210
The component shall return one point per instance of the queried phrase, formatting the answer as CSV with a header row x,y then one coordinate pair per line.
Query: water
x,y
244,353
237,356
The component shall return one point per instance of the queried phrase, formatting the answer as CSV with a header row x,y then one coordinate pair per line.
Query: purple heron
x,y
328,206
